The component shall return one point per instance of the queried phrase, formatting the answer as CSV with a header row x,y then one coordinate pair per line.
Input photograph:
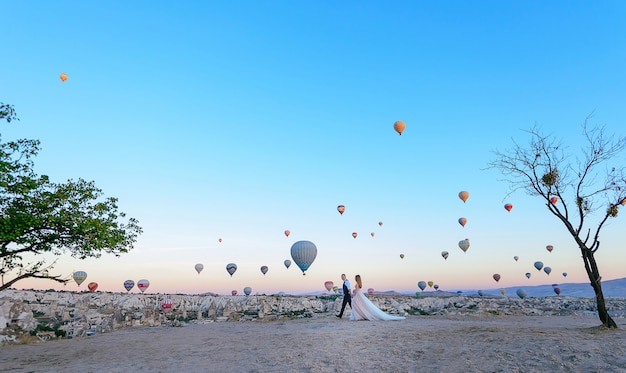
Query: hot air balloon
x,y
508,207
462,221
527,274
502,291
303,253
370,291
354,234
538,265
516,258
328,285
264,269
129,284
231,268
430,284
496,277
199,267
554,200
436,287
463,195
79,276
481,293
335,289
547,270
341,209
445,254
372,234
287,263
557,290
521,293
549,248
287,232
219,240
247,290
166,305
564,274
143,285
92,286
63,77
464,244
401,256
421,285
399,126
233,292
380,223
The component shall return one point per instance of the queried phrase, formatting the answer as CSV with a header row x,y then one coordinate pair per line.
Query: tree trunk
x,y
594,277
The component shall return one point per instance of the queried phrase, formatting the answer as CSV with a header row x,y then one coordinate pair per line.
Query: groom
x,y
346,295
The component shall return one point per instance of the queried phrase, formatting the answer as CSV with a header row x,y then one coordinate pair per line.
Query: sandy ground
x,y
327,344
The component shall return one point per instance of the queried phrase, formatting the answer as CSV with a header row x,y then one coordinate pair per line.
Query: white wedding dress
x,y
364,309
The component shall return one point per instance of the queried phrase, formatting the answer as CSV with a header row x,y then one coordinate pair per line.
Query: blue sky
x,y
238,120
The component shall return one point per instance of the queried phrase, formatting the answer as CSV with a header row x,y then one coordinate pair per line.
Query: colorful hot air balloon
x,y
554,200
303,253
516,258
380,223
421,285
557,290
521,293
564,274
199,267
401,256
63,77
496,277
143,285
430,284
287,263
436,287
538,265
166,305
341,209
264,269
328,285
549,248
354,234
502,291
79,276
399,126
547,270
445,254
231,268
233,292
464,244
247,290
462,221
527,274
128,285
92,286
287,233
508,207
463,195
335,289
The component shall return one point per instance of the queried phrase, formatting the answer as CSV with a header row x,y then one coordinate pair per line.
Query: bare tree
x,y
582,193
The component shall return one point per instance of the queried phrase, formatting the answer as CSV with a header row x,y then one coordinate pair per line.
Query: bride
x,y
364,309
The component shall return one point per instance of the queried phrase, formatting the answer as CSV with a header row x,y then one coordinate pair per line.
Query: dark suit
x,y
347,299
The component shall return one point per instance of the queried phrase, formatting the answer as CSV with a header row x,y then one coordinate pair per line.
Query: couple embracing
x,y
361,307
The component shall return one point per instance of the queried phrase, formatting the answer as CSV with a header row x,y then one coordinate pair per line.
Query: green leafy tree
x,y
583,193
38,216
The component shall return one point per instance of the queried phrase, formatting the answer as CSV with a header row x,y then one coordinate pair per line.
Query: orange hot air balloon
x,y
287,232
463,195
92,286
462,221
508,207
63,77
341,209
399,126
554,200
496,277
380,223
354,234
549,248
